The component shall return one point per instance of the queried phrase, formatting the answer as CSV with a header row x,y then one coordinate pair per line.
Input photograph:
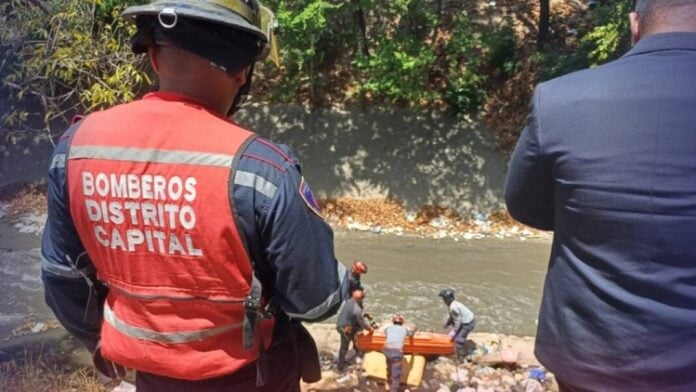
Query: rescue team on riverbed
x,y
352,320
190,249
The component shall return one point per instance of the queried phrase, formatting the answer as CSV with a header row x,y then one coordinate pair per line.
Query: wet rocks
x,y
498,363
31,223
4,210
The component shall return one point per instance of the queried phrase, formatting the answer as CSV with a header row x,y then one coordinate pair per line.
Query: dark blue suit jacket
x,y
608,162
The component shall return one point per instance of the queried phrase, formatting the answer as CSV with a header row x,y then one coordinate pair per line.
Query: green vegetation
x,y
61,58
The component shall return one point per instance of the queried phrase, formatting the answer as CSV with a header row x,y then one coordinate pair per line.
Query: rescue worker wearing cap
x,y
179,244
396,335
356,272
460,318
351,320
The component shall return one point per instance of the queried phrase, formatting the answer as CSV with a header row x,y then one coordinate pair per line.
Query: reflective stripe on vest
x,y
130,154
164,337
150,197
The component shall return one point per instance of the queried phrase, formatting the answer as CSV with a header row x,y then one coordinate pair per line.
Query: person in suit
x,y
608,162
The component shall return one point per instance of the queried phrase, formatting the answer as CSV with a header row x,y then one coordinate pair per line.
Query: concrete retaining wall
x,y
418,158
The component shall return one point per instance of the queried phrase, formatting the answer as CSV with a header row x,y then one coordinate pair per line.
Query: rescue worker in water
x,y
189,248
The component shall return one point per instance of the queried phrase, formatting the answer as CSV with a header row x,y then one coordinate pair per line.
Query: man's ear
x,y
152,53
635,27
241,77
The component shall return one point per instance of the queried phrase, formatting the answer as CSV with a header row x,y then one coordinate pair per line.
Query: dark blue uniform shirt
x,y
290,244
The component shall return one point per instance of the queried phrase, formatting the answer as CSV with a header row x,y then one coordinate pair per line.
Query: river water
x,y
500,280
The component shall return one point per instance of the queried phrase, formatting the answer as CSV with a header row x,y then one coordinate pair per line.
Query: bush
x,y
501,44
63,58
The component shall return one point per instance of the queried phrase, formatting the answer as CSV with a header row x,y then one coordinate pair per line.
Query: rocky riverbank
x,y
498,363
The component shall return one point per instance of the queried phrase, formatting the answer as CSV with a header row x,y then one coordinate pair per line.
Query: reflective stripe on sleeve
x,y
163,337
255,181
329,303
149,155
65,271
58,162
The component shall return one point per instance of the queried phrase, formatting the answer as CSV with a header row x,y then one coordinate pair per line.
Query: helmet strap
x,y
243,93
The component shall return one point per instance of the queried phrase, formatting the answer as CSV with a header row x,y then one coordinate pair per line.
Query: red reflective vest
x,y
150,197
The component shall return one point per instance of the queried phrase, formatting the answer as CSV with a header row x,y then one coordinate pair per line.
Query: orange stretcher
x,y
424,343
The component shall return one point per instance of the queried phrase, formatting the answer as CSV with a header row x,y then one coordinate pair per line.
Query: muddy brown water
x,y
500,280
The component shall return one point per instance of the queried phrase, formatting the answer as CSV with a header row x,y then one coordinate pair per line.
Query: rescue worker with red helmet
x,y
179,244
393,349
357,270
351,320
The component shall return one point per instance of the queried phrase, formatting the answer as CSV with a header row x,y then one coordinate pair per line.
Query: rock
x,y
439,222
532,386
431,385
508,380
460,377
499,345
31,223
443,388
333,381
357,227
484,371
124,387
467,389
510,356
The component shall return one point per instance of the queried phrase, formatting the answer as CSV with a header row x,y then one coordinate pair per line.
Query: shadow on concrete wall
x,y
26,161
418,158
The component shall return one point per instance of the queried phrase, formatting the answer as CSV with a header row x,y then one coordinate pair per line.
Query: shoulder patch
x,y
309,198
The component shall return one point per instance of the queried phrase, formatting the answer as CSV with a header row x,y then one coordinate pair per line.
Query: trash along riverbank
x,y
25,204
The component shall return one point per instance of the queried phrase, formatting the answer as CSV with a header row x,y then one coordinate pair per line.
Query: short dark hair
x,y
653,11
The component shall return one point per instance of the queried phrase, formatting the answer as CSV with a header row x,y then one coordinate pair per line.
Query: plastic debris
x,y
38,327
537,374
124,386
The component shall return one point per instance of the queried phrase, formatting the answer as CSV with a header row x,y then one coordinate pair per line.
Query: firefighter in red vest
x,y
179,244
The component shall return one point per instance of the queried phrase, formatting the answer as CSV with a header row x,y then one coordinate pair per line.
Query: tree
x,y
544,23
61,58
359,21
